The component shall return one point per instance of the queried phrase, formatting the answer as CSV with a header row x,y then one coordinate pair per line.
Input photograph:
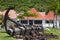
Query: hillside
x,y
24,5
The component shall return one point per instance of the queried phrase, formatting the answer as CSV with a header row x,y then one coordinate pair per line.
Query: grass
x,y
55,31
5,36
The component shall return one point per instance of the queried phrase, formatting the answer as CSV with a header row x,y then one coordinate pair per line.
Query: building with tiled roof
x,y
43,19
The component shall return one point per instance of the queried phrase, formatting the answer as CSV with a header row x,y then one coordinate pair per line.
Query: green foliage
x,y
27,14
55,31
34,14
55,6
24,5
30,14
20,16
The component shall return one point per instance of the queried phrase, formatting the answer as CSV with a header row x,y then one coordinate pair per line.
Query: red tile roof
x,y
40,14
50,14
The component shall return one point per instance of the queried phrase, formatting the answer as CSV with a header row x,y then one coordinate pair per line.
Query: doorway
x,y
30,22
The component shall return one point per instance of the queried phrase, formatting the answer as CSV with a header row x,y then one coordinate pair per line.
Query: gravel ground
x,y
19,39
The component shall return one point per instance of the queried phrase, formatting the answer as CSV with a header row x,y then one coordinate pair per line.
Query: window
x,y
30,22
49,21
24,21
37,21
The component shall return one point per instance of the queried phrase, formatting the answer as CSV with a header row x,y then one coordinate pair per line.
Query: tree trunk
x,y
56,21
53,21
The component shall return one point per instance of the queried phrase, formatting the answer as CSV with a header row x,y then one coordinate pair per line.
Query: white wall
x,y
48,25
57,23
51,24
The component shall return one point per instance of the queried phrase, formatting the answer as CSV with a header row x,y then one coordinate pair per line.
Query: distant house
x,y
43,19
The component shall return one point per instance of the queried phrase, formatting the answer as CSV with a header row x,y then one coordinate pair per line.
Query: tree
x,y
20,16
24,5
28,14
54,5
